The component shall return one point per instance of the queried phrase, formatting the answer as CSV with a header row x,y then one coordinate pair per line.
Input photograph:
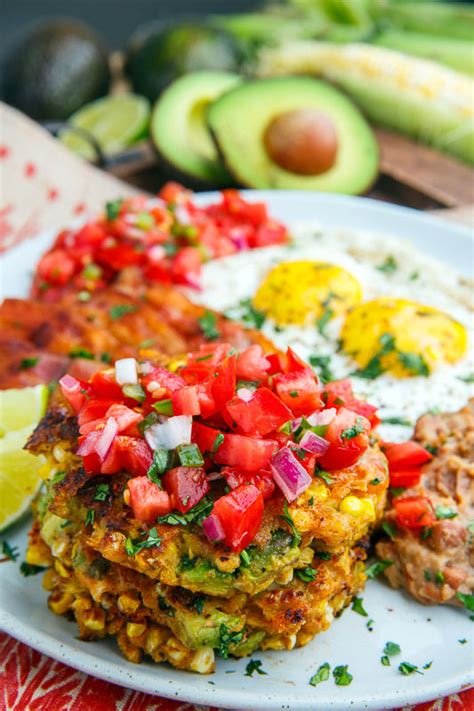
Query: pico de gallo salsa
x,y
232,428
167,238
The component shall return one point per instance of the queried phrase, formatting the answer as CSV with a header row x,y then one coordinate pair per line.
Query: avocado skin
x,y
174,51
55,69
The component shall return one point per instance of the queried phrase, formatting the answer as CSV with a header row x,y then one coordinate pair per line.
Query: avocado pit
x,y
303,141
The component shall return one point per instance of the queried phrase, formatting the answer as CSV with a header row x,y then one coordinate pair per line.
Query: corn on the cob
x,y
418,97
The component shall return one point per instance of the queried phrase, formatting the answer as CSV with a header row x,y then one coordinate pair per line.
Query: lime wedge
x,y
22,408
20,411
114,121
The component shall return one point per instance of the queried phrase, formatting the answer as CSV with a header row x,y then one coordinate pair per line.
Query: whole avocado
x,y
171,51
54,69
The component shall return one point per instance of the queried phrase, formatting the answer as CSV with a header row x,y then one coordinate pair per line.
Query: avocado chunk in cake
x,y
294,133
179,128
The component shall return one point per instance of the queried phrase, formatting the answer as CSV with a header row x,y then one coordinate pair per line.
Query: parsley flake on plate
x,y
28,569
341,676
321,675
378,567
357,606
9,552
254,665
443,512
406,669
228,638
391,649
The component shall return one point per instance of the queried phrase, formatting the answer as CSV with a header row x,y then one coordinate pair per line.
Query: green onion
x,y
164,407
134,392
189,455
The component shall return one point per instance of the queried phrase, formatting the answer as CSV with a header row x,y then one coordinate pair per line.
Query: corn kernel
x,y
59,453
357,508
203,660
135,629
62,605
128,604
94,620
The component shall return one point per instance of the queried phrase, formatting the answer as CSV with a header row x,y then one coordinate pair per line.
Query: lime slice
x,y
22,408
20,411
114,121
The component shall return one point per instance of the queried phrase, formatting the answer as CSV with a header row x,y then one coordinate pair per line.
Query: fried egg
x,y
358,305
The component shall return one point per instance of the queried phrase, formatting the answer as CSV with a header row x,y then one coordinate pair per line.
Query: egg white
x,y
228,281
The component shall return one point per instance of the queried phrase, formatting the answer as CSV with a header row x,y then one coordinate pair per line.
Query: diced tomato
x,y
307,459
204,436
262,414
174,193
120,256
89,237
136,455
348,438
263,480
104,385
207,404
405,477
74,391
405,455
223,382
252,364
295,364
147,500
93,409
209,354
338,393
88,452
186,401
113,462
186,486
299,391
414,512
248,453
160,272
169,382
126,418
277,363
271,233
240,513
186,266
56,267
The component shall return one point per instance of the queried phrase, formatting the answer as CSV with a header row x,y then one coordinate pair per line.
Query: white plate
x,y
425,634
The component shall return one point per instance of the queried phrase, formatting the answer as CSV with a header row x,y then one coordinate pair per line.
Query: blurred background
x,y
121,84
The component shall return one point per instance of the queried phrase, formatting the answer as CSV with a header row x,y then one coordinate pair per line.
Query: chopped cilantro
x,y
323,321
217,442
432,449
389,529
385,660
445,512
293,393
327,478
187,563
375,482
147,343
321,675
323,555
120,310
254,665
81,353
353,431
206,357
467,378
376,568
389,266
427,576
426,532
322,362
396,421
189,455
286,517
199,604
102,491
106,358
462,641
28,569
357,606
9,552
307,575
247,313
90,516
392,649
406,668
370,625
244,559
427,665
311,501
396,490
414,363
467,600
28,363
374,367
112,209
152,540
227,638
159,465
207,323
195,515
148,421
341,676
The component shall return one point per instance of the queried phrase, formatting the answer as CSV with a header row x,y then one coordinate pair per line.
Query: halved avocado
x,y
240,119
179,125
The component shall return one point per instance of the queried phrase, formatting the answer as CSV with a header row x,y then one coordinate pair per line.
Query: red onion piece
x,y
295,423
88,444
245,394
321,417
289,474
212,527
107,436
313,443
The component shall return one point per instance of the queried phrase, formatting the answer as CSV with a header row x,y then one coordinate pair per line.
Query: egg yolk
x,y
401,337
301,293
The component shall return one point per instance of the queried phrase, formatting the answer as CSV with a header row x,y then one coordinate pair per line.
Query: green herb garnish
x,y
199,604
27,363
133,547
189,455
208,323
160,464
120,310
307,575
227,638
322,362
90,516
244,559
376,568
255,665
112,209
28,569
414,363
353,431
397,421
286,517
341,676
467,600
443,512
389,266
134,391
164,407
406,668
325,476
102,491
321,675
323,320
81,353
385,660
195,515
217,442
389,529
9,552
392,649
357,606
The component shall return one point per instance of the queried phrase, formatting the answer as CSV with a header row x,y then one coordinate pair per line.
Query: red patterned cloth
x,y
29,681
